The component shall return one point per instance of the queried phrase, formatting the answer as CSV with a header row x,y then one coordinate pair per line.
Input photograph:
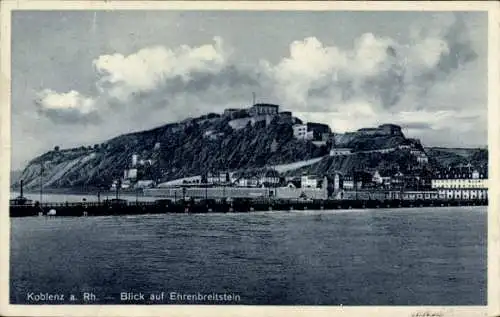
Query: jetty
x,y
161,206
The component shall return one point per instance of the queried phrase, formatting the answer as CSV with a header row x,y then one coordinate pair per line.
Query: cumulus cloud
x,y
379,70
184,80
378,79
422,84
314,72
67,107
121,76
72,100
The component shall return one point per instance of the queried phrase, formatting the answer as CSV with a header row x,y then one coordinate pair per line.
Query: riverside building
x,y
461,184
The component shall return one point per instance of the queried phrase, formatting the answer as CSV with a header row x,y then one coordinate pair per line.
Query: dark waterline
x,y
428,256
75,197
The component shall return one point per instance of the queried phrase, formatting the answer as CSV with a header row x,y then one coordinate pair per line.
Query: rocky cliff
x,y
200,145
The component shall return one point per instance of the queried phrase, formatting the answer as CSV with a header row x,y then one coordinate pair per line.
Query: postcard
x,y
249,158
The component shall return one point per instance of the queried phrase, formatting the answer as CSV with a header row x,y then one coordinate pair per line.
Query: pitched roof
x,y
269,173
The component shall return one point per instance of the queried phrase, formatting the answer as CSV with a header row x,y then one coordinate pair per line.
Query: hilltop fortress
x,y
313,131
260,135
259,112
264,113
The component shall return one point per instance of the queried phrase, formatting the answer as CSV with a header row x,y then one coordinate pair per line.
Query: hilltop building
x,y
318,128
384,129
230,111
236,113
285,114
368,131
390,129
263,109
311,131
301,132
342,139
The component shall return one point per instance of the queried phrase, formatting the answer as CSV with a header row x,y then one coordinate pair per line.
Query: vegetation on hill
x,y
452,157
383,162
175,150
209,144
368,143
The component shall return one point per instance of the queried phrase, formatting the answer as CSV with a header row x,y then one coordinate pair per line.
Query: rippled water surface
x,y
427,256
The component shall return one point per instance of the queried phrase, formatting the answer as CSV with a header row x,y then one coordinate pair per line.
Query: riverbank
x,y
124,207
71,191
78,196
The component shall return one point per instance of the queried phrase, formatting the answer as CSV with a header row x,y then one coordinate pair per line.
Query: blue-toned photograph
x,y
249,158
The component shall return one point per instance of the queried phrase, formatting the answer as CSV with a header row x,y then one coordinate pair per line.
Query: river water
x,y
426,256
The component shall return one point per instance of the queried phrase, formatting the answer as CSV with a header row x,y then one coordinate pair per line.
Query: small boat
x,y
21,200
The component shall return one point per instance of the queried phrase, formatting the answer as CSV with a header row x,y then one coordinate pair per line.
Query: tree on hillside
x,y
56,148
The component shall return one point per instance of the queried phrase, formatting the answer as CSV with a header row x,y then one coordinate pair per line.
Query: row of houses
x,y
267,178
375,179
460,186
461,177
472,185
463,194
339,186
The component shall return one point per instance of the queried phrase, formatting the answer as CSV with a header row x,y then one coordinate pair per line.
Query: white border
x,y
494,163
6,6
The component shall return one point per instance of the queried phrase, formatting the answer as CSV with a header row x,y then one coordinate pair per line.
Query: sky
x,y
82,77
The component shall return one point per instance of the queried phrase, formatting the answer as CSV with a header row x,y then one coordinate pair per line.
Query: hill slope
x,y
208,143
175,150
